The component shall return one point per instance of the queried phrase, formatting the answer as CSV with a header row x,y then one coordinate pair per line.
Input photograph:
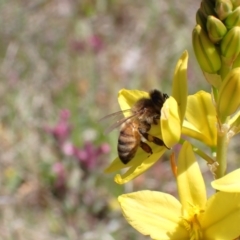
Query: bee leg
x,y
153,139
145,147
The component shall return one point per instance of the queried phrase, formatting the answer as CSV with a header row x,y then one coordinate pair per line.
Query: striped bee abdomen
x,y
128,142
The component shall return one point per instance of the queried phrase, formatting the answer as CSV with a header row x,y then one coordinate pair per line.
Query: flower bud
x,y
223,8
229,92
216,29
201,19
236,62
235,3
233,19
230,45
205,51
207,8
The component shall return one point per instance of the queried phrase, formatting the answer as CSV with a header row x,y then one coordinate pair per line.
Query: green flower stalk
x,y
223,31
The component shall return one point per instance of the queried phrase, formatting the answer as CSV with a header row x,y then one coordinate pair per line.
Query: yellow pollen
x,y
193,225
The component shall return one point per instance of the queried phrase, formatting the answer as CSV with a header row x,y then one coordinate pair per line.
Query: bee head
x,y
158,98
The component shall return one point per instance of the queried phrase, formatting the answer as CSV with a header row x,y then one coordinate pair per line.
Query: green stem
x,y
203,155
221,149
221,154
200,153
215,93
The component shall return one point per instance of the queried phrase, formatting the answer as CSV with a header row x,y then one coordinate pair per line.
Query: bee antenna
x,y
165,96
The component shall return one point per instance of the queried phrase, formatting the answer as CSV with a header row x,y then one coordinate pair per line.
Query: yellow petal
x,y
180,88
191,187
140,167
202,115
191,131
154,213
170,122
222,216
127,98
228,183
117,165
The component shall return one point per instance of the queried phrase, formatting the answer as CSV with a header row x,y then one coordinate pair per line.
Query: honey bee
x,y
134,129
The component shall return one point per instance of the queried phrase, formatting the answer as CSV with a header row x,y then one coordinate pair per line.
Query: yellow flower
x,y
228,183
201,122
142,161
163,217
169,128
173,111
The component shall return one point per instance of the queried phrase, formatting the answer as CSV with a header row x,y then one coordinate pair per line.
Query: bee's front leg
x,y
145,147
153,139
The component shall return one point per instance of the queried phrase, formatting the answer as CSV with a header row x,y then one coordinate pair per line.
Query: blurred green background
x,y
62,65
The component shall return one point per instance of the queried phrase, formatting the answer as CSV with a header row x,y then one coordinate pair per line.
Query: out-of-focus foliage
x,y
76,55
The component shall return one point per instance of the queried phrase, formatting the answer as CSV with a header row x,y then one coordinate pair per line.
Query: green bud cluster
x,y
216,37
216,43
205,51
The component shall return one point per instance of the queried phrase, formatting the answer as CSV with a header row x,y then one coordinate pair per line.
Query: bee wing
x,y
115,115
118,122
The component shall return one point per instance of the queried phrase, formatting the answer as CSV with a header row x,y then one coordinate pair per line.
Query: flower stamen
x,y
193,225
